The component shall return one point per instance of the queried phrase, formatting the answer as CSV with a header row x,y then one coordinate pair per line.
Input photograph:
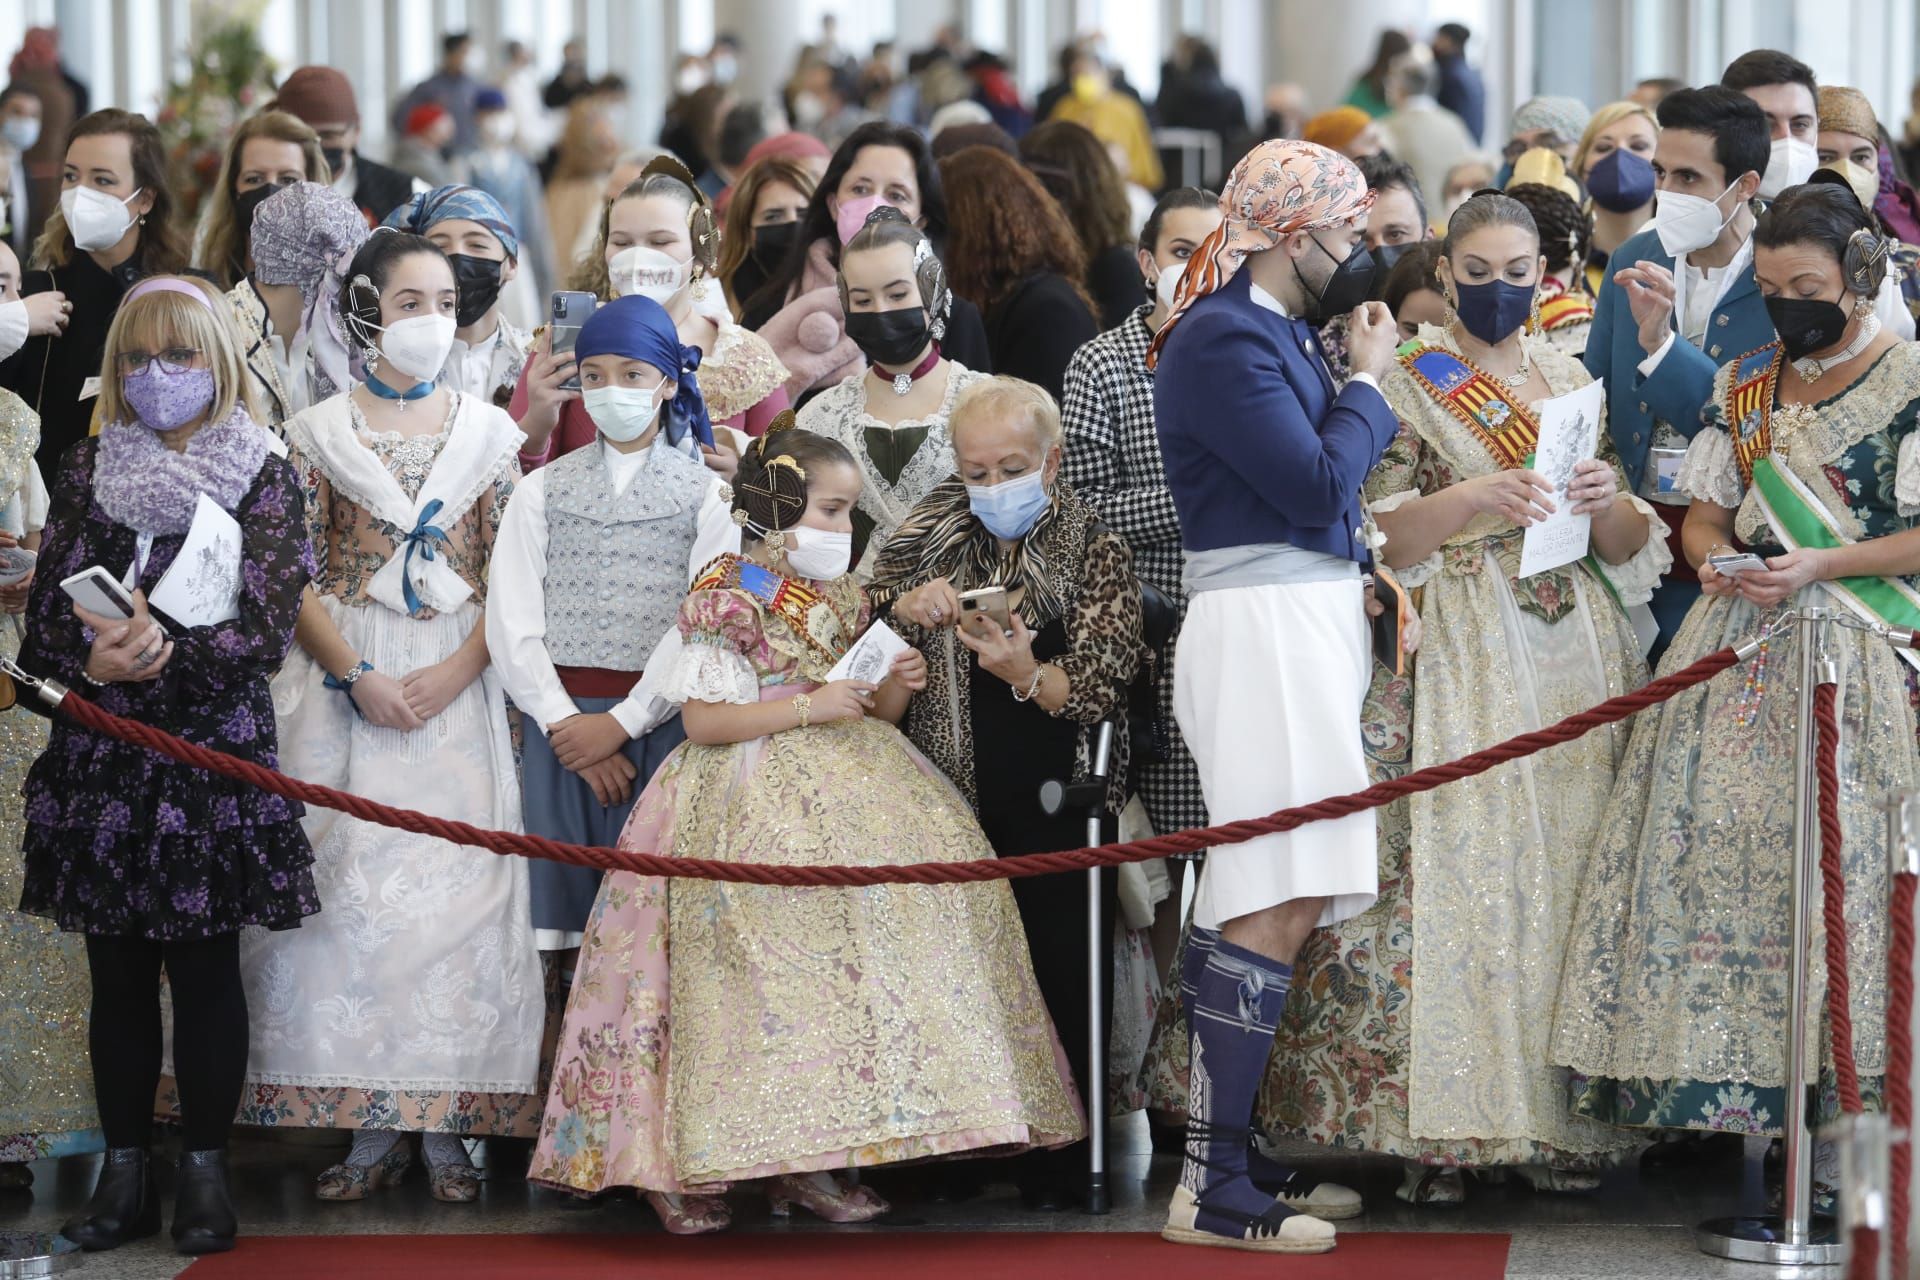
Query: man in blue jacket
x,y
1680,300
1265,459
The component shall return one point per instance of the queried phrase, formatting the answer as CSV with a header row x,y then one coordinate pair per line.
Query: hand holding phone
x,y
1737,563
570,311
128,645
985,606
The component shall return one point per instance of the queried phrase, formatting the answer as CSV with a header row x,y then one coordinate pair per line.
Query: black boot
x,y
125,1204
203,1219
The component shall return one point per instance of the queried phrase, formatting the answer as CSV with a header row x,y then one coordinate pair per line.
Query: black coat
x,y
379,189
1034,330
49,373
1113,278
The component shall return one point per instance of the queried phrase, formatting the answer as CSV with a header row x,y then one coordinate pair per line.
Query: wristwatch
x,y
350,679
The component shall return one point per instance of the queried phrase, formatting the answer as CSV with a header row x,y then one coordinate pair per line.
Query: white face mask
x,y
1687,223
497,129
1791,163
649,273
819,554
96,219
1169,283
474,63
13,326
21,132
418,346
623,414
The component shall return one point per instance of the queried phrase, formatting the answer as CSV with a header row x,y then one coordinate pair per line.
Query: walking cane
x,y
1056,797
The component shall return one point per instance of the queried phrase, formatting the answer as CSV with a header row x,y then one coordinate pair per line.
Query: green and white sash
x,y
1799,519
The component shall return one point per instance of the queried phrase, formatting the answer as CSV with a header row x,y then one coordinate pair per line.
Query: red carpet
x,y
841,1255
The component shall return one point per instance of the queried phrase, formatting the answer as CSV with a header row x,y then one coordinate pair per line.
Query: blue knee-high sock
x,y
1237,1004
1193,960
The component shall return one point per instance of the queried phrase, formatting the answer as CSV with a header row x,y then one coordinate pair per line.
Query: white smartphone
x,y
98,591
1743,562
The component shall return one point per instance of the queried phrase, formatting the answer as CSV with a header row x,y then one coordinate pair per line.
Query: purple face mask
x,y
164,399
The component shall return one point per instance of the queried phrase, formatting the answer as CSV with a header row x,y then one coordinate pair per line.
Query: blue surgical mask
x,y
1621,181
1010,508
1493,310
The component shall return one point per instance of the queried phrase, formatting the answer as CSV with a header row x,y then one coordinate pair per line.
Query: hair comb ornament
x,y
782,421
1865,263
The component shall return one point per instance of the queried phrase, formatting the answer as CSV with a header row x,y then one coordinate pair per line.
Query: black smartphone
x,y
569,314
1389,629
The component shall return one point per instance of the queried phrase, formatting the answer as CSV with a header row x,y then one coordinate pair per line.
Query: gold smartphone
x,y
987,604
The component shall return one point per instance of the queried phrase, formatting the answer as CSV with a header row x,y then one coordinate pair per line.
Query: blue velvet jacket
x,y
1258,444
1683,382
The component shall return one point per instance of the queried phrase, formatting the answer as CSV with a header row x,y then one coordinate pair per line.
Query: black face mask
x,y
771,242
479,283
1806,325
336,158
889,337
1350,284
248,203
1387,254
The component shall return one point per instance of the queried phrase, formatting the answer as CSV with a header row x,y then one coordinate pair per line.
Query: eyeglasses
x,y
172,360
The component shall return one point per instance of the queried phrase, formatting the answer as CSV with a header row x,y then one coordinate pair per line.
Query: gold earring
x,y
1533,319
775,542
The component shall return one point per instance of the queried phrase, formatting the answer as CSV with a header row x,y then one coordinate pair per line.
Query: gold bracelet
x,y
1039,677
803,707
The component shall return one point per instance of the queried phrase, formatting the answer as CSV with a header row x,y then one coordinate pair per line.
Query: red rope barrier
x,y
89,716
1839,978
1900,1062
1863,1254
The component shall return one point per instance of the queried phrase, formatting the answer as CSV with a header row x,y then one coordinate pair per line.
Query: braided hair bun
x,y
770,489
1565,230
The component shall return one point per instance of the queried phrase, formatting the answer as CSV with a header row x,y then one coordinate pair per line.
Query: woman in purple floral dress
x,y
159,865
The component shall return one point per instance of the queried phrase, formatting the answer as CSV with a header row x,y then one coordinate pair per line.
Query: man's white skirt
x,y
1268,684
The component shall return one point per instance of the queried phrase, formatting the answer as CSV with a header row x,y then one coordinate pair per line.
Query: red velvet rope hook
x,y
1834,886
1900,1061
1612,710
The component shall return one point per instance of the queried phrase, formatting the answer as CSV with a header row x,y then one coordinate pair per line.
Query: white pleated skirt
x,y
1268,684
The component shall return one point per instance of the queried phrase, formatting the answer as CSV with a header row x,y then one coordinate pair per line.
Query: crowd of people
x,y
542,483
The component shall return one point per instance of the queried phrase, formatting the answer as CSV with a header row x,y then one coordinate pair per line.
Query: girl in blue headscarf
x,y
483,247
592,560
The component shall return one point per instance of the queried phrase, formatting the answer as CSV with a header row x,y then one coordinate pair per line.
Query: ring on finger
x,y
145,658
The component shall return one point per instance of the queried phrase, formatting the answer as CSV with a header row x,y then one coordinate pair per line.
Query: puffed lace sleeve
x,y
1906,476
719,628
1636,577
1708,472
1395,481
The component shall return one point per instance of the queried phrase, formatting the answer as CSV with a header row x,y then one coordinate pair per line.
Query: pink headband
x,y
168,284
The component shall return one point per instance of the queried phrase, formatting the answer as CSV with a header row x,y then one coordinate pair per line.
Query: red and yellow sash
x,y
1749,407
1485,407
810,614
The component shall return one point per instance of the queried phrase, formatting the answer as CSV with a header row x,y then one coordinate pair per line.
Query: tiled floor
x,y
1633,1227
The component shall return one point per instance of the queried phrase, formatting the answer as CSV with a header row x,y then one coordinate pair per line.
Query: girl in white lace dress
x,y
413,1003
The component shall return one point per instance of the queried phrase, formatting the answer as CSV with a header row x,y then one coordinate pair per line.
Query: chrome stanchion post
x,y
1863,1144
1099,955
1794,1237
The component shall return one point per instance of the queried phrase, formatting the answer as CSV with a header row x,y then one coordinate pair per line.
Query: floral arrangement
x,y
229,76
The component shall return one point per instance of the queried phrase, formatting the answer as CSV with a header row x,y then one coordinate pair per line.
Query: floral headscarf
x,y
1281,187
305,235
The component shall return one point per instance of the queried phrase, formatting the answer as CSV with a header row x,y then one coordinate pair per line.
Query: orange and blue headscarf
x,y
1281,187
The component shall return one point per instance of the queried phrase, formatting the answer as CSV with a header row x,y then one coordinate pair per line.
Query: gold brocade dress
x,y
1675,1001
1419,1028
46,1083
810,1028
